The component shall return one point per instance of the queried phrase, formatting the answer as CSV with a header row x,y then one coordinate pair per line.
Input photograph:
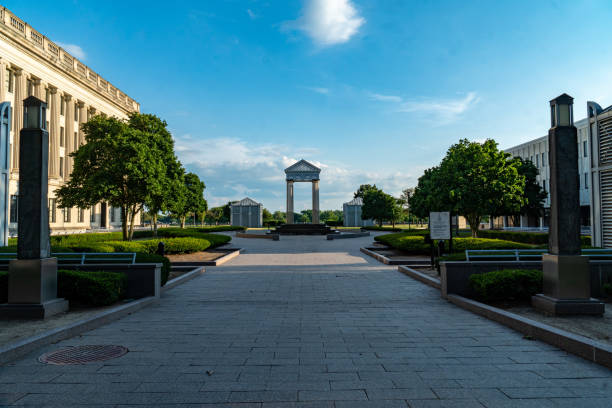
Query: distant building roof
x,y
355,201
246,202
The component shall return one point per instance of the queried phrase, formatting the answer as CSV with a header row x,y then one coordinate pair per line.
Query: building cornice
x,y
23,36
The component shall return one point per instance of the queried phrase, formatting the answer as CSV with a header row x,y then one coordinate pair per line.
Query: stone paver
x,y
306,322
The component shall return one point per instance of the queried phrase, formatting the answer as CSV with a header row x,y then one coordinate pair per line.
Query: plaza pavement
x,y
306,322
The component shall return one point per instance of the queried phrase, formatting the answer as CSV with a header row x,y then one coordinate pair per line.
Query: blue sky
x,y
372,91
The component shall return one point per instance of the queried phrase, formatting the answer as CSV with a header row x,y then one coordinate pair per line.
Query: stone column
x,y
68,133
17,116
315,201
2,80
82,119
289,202
54,132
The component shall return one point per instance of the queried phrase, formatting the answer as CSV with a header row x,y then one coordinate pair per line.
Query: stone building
x,y
31,64
352,214
246,213
537,152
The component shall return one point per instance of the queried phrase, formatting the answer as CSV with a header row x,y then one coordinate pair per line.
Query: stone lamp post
x,y
567,282
32,283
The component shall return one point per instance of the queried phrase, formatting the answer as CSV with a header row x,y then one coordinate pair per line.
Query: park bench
x,y
82,258
525,254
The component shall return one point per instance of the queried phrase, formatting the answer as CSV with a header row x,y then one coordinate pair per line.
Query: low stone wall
x,y
273,237
144,279
454,276
343,235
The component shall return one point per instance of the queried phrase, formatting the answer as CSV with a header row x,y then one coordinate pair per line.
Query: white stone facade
x,y
246,213
31,64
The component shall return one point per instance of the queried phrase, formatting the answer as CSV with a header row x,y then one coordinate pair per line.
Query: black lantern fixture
x,y
562,111
35,113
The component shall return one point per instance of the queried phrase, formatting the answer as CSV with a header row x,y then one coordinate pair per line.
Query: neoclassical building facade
x,y
31,64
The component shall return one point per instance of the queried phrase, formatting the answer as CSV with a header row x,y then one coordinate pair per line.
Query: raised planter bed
x,y
214,257
379,253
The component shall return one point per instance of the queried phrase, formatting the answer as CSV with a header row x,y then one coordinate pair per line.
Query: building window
x,y
76,112
112,214
586,181
537,161
92,215
584,149
30,87
81,215
14,208
67,214
62,106
61,167
62,137
52,210
76,138
10,81
47,96
543,161
544,185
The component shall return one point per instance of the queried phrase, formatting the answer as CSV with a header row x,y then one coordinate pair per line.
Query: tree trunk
x,y
182,218
124,223
132,216
154,220
474,221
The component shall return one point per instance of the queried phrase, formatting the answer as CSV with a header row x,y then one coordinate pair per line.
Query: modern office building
x,y
537,152
31,64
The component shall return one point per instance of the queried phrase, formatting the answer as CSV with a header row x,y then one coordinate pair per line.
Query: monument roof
x,y
302,166
246,202
355,201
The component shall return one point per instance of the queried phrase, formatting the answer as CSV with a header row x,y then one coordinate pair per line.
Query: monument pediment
x,y
302,171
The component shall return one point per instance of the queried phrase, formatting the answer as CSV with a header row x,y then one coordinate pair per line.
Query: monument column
x,y
69,140
17,116
315,201
289,202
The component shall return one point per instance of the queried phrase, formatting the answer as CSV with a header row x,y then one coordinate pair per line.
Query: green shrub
x,y
154,258
536,238
383,228
461,244
607,288
509,284
3,287
91,288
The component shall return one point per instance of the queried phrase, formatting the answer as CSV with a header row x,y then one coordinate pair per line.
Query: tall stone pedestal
x,y
567,287
33,290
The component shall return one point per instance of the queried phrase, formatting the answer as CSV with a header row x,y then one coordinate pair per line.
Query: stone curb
x,y
183,278
573,343
219,261
15,350
421,277
387,260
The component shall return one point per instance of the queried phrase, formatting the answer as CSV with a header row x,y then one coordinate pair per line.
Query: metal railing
x,y
526,254
83,257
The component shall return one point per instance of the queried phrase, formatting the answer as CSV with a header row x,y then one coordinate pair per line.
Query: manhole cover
x,y
82,355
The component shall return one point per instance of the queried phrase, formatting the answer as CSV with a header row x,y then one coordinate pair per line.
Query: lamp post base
x,y
563,307
33,310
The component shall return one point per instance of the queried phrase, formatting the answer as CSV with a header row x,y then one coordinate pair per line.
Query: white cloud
x,y
385,98
444,108
251,14
321,90
233,168
328,22
74,50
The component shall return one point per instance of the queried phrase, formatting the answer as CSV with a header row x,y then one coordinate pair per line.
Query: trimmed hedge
x,y
536,238
91,288
509,284
415,244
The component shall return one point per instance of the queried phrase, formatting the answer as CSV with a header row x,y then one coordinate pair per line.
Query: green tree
x,y
534,193
378,206
214,215
306,216
280,217
120,164
473,179
189,198
266,215
362,190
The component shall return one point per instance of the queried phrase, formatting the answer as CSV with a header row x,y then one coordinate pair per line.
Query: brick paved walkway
x,y
305,322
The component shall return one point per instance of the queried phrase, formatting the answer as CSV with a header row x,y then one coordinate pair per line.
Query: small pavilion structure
x,y
246,213
303,171
352,214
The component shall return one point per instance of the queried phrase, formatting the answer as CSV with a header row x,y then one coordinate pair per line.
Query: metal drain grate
x,y
82,355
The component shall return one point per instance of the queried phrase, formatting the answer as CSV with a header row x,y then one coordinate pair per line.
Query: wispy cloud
x,y
74,50
385,98
317,89
448,108
251,14
328,22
